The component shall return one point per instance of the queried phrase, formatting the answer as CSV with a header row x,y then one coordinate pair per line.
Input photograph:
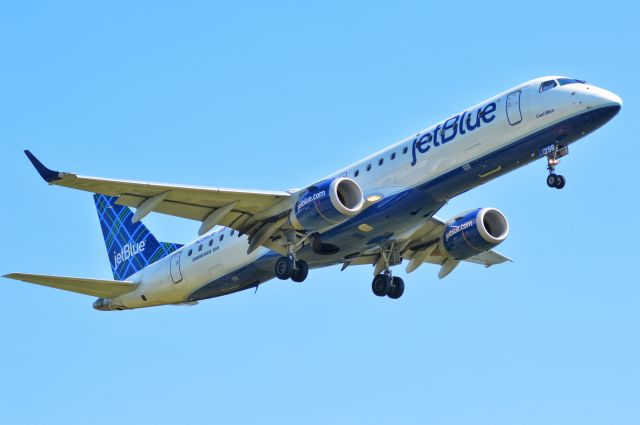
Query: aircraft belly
x,y
248,276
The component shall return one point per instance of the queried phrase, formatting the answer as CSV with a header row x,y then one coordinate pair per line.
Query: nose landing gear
x,y
553,153
556,180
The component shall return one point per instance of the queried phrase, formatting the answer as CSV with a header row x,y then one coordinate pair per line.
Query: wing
x,y
243,210
421,246
94,287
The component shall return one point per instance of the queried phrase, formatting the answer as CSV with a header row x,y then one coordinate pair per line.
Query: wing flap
x,y
95,287
489,258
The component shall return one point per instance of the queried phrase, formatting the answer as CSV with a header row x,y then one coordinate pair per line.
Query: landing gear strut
x,y
553,159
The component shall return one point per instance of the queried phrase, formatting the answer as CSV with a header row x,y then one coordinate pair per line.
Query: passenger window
x,y
190,252
369,167
200,247
356,173
380,161
404,151
547,85
221,237
210,242
231,233
393,156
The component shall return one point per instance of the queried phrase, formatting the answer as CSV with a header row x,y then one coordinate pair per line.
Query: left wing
x,y
244,210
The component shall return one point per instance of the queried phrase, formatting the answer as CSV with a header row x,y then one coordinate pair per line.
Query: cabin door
x,y
514,113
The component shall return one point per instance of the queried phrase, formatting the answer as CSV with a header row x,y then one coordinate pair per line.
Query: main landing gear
x,y
553,159
291,268
384,284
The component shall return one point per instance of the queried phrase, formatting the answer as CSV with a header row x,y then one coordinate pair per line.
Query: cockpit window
x,y
565,81
547,85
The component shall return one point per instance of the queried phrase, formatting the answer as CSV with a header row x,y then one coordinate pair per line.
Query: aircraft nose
x,y
605,98
610,98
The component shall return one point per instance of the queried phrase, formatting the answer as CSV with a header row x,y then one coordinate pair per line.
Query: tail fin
x,y
130,246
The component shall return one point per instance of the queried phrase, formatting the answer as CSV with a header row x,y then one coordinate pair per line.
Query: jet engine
x,y
327,204
474,232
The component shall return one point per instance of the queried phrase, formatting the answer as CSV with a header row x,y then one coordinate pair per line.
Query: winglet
x,y
47,174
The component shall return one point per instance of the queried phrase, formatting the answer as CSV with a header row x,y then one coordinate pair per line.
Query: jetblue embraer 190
x,y
378,211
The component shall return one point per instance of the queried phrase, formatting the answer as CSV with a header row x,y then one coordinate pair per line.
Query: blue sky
x,y
273,95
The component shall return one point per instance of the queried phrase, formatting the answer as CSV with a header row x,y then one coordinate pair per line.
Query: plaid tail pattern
x,y
130,246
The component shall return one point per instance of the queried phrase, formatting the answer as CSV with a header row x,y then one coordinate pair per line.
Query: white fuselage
x,y
449,145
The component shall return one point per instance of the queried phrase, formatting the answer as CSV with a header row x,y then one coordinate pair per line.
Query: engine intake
x,y
327,204
474,232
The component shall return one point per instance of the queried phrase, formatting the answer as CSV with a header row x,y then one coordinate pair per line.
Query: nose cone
x,y
601,98
610,99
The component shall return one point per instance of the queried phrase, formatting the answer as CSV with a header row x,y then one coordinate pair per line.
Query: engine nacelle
x,y
327,204
474,232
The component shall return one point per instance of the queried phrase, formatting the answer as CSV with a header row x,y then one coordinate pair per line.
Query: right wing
x,y
246,211
420,247
95,287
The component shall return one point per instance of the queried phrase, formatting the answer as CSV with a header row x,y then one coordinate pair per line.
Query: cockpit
x,y
549,84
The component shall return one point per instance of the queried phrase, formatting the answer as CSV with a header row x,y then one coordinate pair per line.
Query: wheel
x,y
560,182
397,288
551,180
284,268
381,284
301,271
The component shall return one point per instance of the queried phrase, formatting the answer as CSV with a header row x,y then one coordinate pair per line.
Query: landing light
x,y
373,198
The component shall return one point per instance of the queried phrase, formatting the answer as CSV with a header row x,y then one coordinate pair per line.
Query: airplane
x,y
379,211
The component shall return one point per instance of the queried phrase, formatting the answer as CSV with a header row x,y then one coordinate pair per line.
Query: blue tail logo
x,y
130,246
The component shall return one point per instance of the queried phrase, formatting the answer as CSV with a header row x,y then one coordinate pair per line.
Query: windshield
x,y
547,85
565,81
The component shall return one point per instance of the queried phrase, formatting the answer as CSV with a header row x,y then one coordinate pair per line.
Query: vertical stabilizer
x,y
130,246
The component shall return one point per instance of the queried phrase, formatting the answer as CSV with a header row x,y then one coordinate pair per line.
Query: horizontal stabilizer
x,y
95,287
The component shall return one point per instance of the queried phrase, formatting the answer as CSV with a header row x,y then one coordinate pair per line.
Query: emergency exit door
x,y
514,113
176,273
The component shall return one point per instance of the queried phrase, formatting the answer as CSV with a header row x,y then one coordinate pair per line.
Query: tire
x,y
560,182
551,180
284,268
301,271
397,288
381,285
